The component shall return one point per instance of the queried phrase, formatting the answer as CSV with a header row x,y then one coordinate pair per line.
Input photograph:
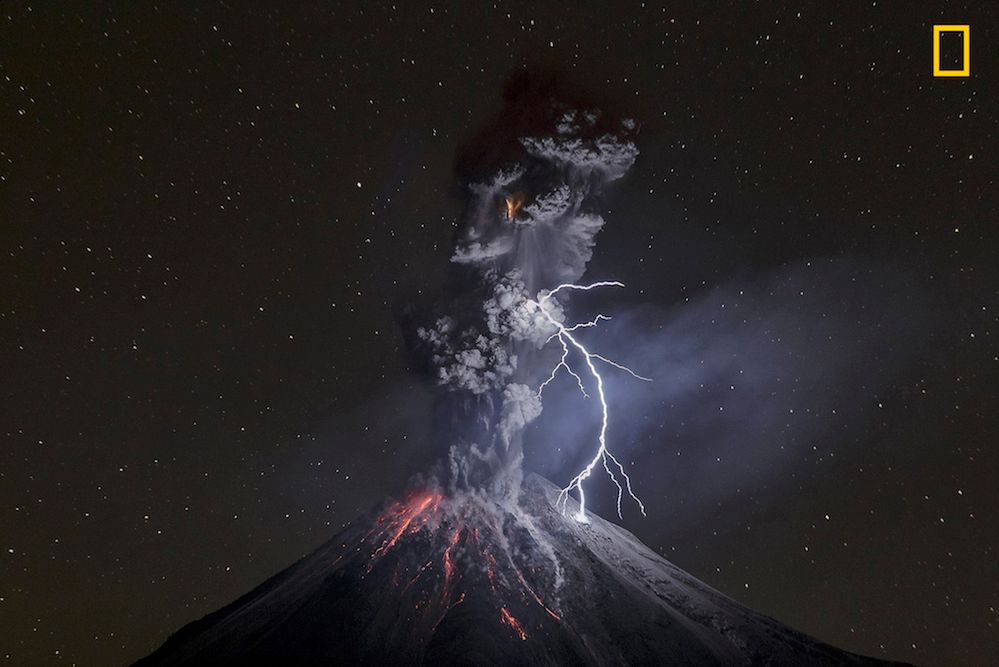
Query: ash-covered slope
x,y
462,580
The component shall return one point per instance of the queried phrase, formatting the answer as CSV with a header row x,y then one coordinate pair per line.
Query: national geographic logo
x,y
949,32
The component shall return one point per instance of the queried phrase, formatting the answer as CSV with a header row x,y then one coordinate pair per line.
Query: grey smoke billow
x,y
530,220
551,238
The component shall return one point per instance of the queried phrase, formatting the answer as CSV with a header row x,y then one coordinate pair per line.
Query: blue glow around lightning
x,y
603,454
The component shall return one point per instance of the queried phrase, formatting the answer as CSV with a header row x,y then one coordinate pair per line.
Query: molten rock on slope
x,y
461,580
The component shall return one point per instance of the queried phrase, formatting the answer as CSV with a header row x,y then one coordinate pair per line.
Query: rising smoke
x,y
531,184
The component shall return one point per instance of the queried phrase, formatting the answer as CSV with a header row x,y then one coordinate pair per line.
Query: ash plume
x,y
476,563
531,184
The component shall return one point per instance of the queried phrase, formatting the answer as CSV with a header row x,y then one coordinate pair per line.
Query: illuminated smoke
x,y
527,234
603,454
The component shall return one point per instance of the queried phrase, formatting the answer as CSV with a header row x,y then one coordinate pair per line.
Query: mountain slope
x,y
462,579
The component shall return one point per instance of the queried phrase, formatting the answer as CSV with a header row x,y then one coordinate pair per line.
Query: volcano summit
x,y
459,579
478,564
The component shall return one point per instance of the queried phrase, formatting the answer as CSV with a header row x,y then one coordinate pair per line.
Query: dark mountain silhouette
x,y
462,579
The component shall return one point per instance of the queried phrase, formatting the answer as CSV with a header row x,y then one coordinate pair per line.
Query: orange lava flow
x,y
539,600
508,619
420,511
448,563
405,519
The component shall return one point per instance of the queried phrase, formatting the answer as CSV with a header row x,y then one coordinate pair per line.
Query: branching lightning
x,y
568,341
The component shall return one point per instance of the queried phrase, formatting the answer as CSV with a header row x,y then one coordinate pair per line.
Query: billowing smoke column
x,y
531,195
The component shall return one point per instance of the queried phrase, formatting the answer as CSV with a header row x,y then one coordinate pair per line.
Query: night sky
x,y
211,218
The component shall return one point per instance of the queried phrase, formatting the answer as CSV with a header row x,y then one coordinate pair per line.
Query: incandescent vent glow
x,y
512,205
603,455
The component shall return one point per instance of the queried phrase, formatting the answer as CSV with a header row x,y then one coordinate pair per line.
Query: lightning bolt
x,y
603,455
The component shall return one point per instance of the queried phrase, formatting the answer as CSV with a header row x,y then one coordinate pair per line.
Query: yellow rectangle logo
x,y
965,31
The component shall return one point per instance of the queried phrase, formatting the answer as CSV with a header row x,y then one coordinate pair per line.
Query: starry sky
x,y
211,216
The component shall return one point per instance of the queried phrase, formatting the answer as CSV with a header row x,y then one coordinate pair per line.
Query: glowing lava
x,y
512,205
402,517
461,537
603,455
508,619
456,533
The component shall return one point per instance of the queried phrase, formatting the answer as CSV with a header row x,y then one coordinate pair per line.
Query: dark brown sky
x,y
209,219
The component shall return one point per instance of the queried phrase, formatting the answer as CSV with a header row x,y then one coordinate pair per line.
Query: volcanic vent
x,y
459,579
482,566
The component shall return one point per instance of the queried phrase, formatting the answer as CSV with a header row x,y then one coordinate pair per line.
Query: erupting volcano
x,y
478,564
459,579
